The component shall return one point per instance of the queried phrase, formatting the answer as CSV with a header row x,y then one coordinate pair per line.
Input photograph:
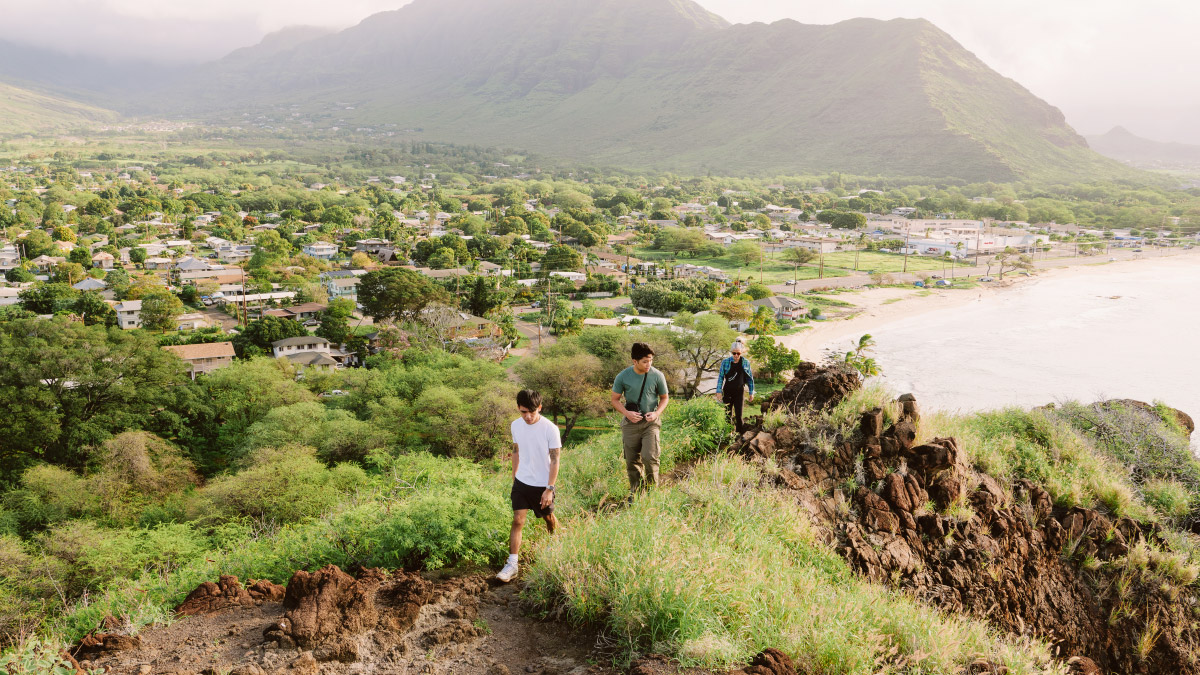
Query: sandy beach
x,y
876,308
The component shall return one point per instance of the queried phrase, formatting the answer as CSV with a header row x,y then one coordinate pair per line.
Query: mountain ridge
x,y
660,84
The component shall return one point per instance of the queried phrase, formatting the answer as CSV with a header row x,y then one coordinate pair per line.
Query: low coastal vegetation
x,y
710,568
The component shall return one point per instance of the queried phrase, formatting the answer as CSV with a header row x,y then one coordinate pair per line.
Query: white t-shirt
x,y
534,442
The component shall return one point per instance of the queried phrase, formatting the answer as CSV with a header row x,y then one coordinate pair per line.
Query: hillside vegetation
x,y
660,85
27,112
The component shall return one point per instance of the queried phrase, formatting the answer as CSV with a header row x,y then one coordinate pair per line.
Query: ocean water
x,y
1117,331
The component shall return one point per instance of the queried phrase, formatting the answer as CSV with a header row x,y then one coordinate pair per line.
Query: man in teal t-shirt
x,y
644,391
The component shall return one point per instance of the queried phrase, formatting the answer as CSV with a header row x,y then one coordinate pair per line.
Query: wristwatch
x,y
550,488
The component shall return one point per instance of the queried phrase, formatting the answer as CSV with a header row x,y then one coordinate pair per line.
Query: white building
x,y
321,250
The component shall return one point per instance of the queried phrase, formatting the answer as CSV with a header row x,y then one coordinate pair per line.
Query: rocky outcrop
x,y
813,388
211,597
1183,419
916,515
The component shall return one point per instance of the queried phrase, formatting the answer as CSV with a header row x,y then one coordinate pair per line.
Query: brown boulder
x,y
328,603
95,645
896,493
770,661
814,388
266,591
908,407
209,597
870,423
1082,665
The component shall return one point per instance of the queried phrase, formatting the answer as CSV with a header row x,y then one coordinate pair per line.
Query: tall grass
x,y
714,569
416,511
1037,445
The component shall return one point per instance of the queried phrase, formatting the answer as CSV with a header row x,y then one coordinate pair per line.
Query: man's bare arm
x,y
516,459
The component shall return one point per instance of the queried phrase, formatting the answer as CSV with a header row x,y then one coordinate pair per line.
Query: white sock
x,y
512,559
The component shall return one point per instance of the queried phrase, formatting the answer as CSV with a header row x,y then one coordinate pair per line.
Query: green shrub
x,y
442,527
281,485
92,556
703,426
35,657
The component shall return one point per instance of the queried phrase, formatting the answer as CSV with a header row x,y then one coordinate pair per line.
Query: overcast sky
x,y
1103,62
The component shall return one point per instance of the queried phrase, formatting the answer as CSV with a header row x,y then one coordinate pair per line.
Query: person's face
x,y
530,416
737,355
643,364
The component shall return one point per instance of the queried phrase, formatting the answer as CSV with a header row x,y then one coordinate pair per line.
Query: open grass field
x,y
775,271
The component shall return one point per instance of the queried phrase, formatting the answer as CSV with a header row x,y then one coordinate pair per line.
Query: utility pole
x,y
907,233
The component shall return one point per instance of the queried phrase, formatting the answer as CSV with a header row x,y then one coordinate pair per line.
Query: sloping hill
x,y
23,111
661,84
1123,145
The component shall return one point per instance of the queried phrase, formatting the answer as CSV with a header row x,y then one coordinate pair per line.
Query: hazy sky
x,y
1103,62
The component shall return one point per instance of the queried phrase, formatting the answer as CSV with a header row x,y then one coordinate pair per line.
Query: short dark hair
x,y
529,399
640,350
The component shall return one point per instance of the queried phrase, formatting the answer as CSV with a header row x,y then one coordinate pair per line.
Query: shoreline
x,y
879,307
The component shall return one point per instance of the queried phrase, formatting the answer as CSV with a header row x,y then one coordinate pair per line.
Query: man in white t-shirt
x,y
536,446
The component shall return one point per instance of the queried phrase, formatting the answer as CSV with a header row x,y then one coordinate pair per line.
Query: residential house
x,y
577,277
204,358
9,296
689,271
300,345
192,264
90,284
45,263
491,269
464,326
235,254
343,288
103,260
9,258
191,321
158,263
309,311
321,250
372,246
783,306
129,314
308,352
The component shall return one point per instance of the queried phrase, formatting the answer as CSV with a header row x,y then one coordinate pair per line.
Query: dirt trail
x,y
466,626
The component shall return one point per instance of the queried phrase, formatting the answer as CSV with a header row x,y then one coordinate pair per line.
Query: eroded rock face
x,y
814,388
924,519
96,645
770,662
211,597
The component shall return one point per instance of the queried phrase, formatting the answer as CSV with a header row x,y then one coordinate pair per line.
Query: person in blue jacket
x,y
733,379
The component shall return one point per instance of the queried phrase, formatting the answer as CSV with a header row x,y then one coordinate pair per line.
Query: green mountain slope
x,y
1121,144
663,84
23,111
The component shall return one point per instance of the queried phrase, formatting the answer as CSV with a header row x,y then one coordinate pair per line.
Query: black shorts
x,y
529,497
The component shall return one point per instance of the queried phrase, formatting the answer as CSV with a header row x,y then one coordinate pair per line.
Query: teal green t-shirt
x,y
629,383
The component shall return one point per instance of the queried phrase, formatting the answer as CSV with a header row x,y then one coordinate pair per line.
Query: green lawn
x,y
775,271
888,263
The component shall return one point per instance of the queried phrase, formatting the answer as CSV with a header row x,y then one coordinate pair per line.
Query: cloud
x,y
172,31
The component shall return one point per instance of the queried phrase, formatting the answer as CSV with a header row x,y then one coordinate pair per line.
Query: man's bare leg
x,y
514,535
551,523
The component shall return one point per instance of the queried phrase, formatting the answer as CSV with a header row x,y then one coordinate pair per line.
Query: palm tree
x,y
862,242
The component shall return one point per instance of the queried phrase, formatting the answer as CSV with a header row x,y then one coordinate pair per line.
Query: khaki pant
x,y
641,452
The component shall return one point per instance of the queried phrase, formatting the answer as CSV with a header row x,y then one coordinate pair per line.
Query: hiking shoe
x,y
506,575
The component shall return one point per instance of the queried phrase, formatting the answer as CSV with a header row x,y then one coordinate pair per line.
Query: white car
x,y
789,282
